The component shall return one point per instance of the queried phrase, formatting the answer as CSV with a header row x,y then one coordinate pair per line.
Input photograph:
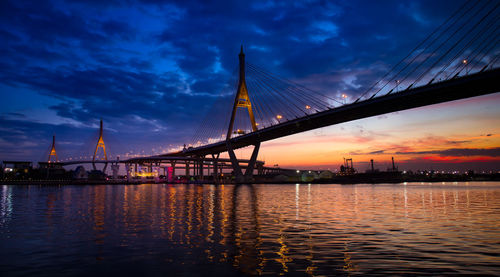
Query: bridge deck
x,y
156,159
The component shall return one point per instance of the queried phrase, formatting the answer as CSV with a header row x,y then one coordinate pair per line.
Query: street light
x,y
344,96
465,62
308,107
279,117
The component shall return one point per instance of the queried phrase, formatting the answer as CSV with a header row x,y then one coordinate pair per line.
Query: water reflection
x,y
5,204
253,229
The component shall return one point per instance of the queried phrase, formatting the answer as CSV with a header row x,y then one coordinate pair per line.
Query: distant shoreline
x,y
342,181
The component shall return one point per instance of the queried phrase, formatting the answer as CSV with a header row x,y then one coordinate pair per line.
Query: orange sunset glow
x,y
456,135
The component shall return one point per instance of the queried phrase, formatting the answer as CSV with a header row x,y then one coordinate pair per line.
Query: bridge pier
x,y
239,177
172,164
202,164
260,169
251,163
114,168
196,169
215,159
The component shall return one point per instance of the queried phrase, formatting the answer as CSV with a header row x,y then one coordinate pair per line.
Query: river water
x,y
206,230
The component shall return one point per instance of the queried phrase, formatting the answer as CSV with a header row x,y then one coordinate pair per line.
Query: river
x,y
207,230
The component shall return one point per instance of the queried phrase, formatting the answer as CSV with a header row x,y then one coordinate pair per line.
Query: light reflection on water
x,y
434,229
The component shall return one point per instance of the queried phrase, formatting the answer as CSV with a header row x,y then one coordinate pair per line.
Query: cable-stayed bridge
x,y
480,83
454,62
458,60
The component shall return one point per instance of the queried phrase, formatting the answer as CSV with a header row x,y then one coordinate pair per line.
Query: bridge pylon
x,y
242,100
100,144
53,154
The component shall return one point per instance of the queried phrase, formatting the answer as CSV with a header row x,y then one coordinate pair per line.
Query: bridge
x,y
429,74
456,61
480,83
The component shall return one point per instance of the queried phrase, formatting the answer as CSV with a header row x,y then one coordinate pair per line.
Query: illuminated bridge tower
x,y
53,154
100,144
242,100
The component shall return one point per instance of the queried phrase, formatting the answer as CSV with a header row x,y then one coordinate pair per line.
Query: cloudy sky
x,y
153,69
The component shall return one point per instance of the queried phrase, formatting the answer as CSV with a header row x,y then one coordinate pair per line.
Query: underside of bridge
x,y
190,168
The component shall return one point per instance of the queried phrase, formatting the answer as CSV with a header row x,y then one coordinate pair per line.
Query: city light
x,y
308,107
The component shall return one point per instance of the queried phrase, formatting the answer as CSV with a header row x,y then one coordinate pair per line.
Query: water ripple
x,y
413,229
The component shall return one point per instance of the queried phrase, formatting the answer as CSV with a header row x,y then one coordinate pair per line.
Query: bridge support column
x,y
114,168
187,170
172,164
251,163
201,164
103,169
196,169
239,177
260,169
215,159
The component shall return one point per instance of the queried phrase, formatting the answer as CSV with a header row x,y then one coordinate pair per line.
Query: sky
x,y
152,70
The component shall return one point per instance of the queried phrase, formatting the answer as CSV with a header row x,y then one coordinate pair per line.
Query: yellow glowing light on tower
x,y
53,154
308,107
100,144
464,61
242,99
279,116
